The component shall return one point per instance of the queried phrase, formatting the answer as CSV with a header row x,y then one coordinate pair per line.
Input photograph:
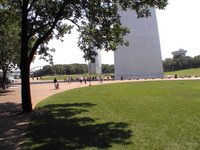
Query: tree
x,y
180,62
59,69
43,20
106,68
197,61
62,69
47,70
9,41
188,62
183,62
169,64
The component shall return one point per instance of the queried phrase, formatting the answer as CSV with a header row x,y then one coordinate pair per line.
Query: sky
x,y
178,25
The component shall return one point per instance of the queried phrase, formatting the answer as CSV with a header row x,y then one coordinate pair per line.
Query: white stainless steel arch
x,y
142,58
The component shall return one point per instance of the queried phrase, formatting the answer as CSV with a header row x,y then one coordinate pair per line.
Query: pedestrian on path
x,y
56,84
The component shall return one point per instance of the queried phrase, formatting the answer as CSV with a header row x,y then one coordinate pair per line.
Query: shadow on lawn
x,y
12,125
61,127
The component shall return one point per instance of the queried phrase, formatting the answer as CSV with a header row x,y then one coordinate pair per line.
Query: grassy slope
x,y
58,77
185,72
143,115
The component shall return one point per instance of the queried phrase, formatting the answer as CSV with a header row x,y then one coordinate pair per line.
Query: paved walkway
x,y
43,89
39,91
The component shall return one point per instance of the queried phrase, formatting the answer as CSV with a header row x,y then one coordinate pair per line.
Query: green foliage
x,y
168,65
138,115
9,39
197,61
181,62
107,68
103,29
62,69
97,21
70,69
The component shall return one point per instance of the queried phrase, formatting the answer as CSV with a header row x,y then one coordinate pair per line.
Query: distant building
x,y
180,52
95,68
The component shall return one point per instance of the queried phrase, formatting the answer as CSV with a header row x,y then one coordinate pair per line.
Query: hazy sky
x,y
178,24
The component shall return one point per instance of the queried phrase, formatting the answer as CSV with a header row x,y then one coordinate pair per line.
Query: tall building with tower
x,y
142,58
180,52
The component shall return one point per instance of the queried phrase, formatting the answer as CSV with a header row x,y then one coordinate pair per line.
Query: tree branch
x,y
31,32
74,23
20,3
37,30
43,38
31,4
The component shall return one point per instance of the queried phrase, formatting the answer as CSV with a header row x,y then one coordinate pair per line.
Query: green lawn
x,y
58,77
157,115
185,72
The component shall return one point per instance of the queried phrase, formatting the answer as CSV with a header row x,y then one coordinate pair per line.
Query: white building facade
x,y
95,68
142,58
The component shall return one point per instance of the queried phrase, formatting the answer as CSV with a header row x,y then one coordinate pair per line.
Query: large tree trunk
x,y
25,88
24,62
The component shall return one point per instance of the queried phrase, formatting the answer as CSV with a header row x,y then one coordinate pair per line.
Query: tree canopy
x,y
9,40
181,62
98,22
69,69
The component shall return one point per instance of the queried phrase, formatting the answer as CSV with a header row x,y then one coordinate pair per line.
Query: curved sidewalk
x,y
41,90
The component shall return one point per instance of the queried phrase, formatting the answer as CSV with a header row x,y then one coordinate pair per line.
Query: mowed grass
x,y
185,72
157,115
58,77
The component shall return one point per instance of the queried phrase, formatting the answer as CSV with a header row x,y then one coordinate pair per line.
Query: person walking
x,y
56,84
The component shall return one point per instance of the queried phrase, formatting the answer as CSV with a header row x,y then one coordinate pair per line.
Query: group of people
x,y
81,79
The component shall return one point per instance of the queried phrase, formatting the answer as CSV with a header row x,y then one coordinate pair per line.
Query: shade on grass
x,y
163,115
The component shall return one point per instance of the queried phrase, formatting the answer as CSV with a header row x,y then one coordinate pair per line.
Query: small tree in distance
x,y
42,21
